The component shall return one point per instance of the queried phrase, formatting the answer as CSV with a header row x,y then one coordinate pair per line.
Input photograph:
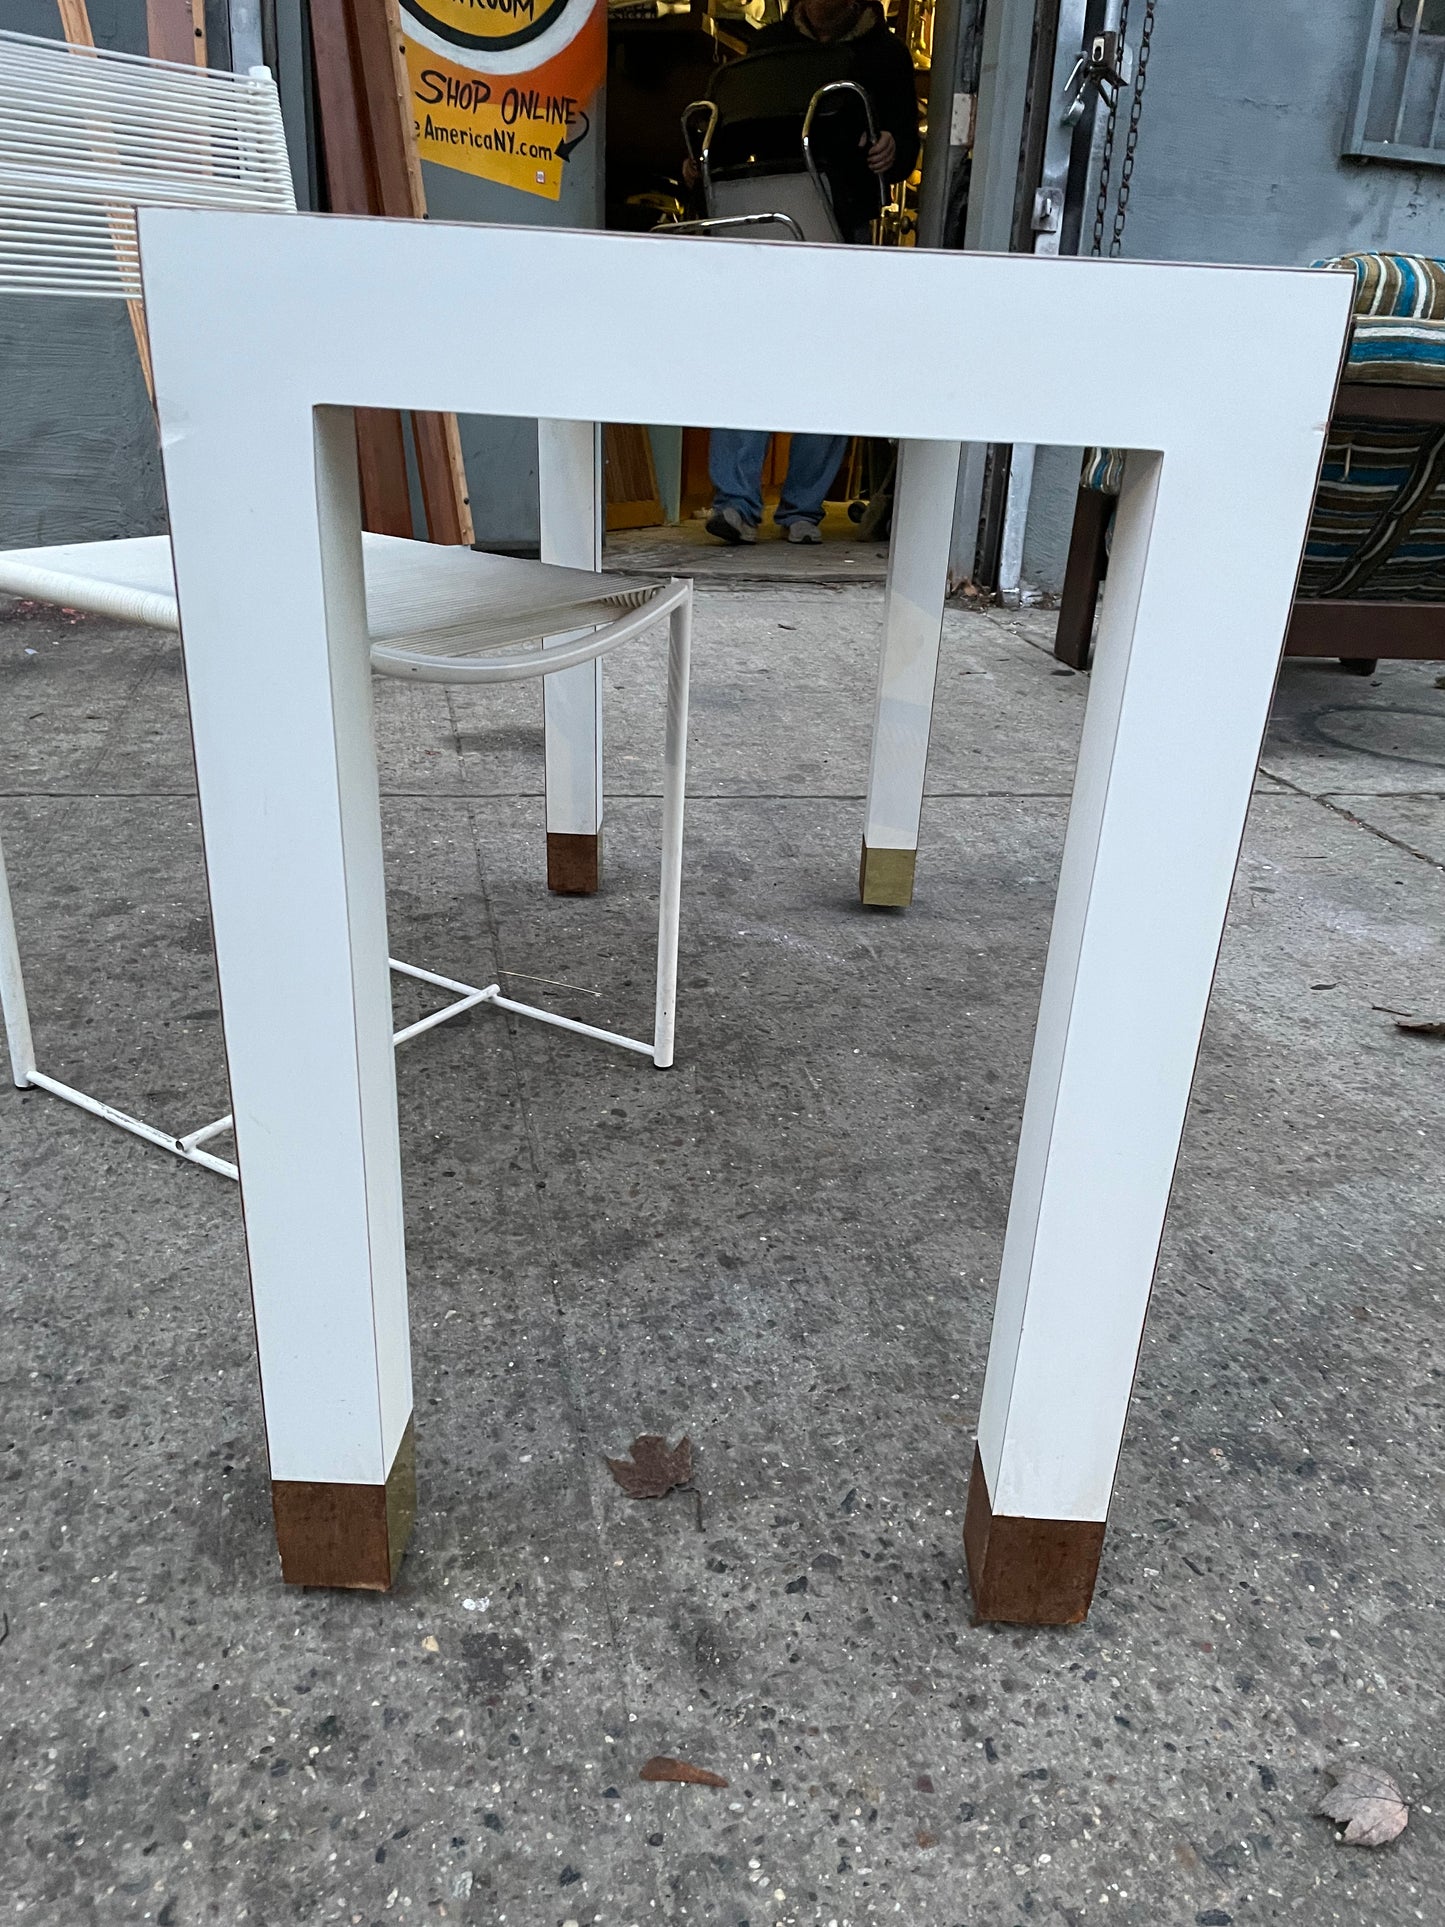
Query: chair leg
x,y
1083,574
570,493
907,670
674,792
13,1006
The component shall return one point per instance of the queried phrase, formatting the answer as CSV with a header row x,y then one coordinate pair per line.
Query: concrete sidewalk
x,y
785,1248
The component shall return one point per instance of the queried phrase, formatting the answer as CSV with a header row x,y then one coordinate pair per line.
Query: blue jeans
x,y
735,459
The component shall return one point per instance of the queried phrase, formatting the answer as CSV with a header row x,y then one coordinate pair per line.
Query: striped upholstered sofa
x,y
1373,579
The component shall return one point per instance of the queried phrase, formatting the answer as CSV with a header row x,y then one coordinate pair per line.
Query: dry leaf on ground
x,y
662,1767
654,1468
1422,1026
1368,1804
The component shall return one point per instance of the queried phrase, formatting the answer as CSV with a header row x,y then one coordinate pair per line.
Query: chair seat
x,y
422,600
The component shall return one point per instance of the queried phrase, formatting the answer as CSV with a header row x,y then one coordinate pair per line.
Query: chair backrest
x,y
87,136
763,100
778,83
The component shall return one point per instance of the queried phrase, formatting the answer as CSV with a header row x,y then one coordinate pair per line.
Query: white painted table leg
x,y
279,681
569,467
13,1005
674,795
908,668
1176,714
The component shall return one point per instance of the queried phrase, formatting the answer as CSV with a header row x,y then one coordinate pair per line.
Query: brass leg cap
x,y
346,1535
885,878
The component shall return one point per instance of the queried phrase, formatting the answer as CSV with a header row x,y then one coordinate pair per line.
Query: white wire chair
x,y
85,137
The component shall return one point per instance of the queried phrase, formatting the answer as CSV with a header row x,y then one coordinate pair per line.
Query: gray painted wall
x,y
79,459
1239,160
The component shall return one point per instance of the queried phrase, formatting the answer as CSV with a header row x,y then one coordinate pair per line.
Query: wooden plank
x,y
1388,402
401,87
381,459
435,437
396,187
349,168
176,30
447,504
75,25
629,479
346,156
775,466
372,168
634,515
696,490
1083,575
1397,631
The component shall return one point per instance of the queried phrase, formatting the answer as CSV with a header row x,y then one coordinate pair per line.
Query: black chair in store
x,y
778,144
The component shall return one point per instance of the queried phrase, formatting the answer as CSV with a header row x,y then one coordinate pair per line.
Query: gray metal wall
x,y
1239,160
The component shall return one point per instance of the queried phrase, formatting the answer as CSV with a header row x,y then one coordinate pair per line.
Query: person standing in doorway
x,y
881,65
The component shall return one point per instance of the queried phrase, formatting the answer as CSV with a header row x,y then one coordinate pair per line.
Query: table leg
x,y
1166,767
674,801
279,681
908,668
13,1006
569,466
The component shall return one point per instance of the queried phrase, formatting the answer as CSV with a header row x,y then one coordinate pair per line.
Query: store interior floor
x,y
686,548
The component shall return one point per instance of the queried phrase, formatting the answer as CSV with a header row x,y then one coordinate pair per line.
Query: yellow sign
x,y
506,89
491,24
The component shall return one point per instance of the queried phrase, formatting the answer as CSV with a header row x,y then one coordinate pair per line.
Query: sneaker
x,y
731,526
804,532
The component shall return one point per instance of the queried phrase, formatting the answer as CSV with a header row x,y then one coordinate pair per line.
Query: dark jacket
x,y
880,63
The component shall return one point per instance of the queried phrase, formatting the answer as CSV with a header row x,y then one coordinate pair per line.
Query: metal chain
x,y
1131,139
1106,159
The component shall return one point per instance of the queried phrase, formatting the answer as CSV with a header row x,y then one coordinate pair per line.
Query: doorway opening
x,y
664,55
